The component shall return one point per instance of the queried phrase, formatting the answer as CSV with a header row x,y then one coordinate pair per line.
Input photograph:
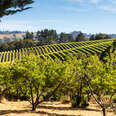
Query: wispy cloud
x,y
86,1
75,0
25,25
95,1
75,9
104,5
108,8
81,5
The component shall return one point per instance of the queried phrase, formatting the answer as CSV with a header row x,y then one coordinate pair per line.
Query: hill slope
x,y
59,51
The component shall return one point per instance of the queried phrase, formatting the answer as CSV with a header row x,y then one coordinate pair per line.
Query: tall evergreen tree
x,y
29,35
101,36
92,37
9,7
47,36
80,37
66,37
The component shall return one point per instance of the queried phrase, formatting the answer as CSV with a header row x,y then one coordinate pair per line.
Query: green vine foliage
x,y
38,80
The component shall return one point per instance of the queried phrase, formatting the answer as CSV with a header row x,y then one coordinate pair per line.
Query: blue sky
x,y
89,16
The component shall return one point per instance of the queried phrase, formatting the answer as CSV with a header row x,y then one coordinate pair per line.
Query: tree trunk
x,y
88,97
34,107
97,100
0,98
35,104
104,111
76,99
18,96
111,104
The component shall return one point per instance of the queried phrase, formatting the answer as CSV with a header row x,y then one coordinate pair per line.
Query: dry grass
x,y
47,109
18,35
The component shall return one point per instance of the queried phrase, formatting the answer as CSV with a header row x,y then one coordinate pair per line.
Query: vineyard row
x,y
59,51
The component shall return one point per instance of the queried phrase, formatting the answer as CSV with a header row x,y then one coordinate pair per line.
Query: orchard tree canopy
x,y
9,7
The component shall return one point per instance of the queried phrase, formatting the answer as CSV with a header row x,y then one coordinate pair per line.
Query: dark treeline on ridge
x,y
17,45
46,37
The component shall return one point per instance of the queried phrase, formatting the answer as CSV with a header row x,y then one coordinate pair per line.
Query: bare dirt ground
x,y
47,109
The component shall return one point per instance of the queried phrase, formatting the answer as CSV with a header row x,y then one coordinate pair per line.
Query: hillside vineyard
x,y
58,51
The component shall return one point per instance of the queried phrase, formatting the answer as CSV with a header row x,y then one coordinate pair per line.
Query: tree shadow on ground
x,y
68,108
27,109
4,112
